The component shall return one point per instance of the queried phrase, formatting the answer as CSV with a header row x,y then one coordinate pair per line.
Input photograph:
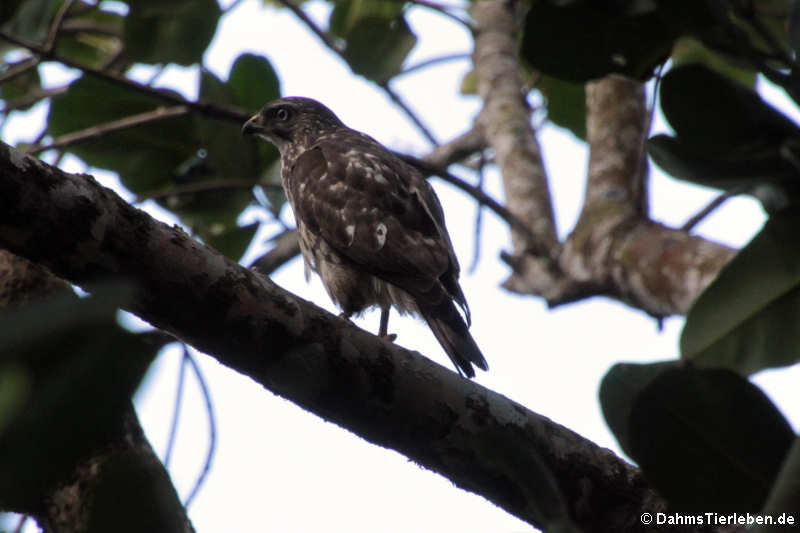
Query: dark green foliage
x,y
376,36
67,371
747,319
707,439
581,40
178,31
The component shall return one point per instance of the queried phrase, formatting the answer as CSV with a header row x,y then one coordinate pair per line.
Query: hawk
x,y
369,224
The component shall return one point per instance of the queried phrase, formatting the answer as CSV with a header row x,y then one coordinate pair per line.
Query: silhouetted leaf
x,y
566,104
711,112
746,319
620,386
72,373
583,40
707,439
731,170
688,51
785,494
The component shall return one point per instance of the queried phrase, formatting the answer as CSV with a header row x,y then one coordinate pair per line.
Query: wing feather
x,y
371,212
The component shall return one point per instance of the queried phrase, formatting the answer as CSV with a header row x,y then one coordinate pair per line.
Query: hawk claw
x,y
388,336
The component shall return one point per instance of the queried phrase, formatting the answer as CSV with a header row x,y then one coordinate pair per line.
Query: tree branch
x,y
99,130
480,440
208,109
506,119
335,48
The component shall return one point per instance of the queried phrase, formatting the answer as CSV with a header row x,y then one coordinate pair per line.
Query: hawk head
x,y
293,121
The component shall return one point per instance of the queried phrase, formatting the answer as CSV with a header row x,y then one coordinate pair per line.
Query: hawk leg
x,y
382,330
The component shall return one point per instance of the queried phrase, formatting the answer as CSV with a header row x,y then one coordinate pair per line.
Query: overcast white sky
x,y
279,468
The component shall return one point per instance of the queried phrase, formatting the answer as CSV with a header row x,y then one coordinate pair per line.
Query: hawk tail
x,y
452,333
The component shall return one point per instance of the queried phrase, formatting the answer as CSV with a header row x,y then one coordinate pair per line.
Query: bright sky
x,y
279,468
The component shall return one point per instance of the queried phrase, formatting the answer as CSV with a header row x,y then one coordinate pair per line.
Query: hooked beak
x,y
252,126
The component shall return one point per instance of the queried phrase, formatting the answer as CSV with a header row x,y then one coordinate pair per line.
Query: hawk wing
x,y
378,213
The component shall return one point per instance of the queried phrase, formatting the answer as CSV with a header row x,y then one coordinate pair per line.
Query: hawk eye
x,y
282,114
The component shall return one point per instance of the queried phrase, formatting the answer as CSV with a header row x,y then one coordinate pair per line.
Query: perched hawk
x,y
370,225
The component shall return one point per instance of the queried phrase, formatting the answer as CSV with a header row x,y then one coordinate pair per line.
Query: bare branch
x,y
203,186
339,51
58,20
32,98
409,113
431,62
712,206
506,120
94,132
208,109
19,69
390,396
457,150
531,242
286,247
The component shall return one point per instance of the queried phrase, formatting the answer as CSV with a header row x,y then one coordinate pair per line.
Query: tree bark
x,y
480,440
615,250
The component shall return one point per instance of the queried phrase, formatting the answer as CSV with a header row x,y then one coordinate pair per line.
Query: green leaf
x,y
785,494
582,40
566,104
72,373
746,319
31,18
152,152
347,13
20,87
620,386
233,242
96,42
377,37
688,51
710,112
170,32
735,170
253,81
707,439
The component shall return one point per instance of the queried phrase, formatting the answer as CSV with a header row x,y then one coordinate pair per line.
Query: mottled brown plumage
x,y
370,225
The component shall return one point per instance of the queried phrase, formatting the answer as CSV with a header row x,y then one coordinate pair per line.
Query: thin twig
x,y
231,7
433,61
23,519
203,186
19,69
690,224
208,109
411,115
426,168
212,430
337,49
323,36
52,35
31,98
176,408
476,249
443,10
109,127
